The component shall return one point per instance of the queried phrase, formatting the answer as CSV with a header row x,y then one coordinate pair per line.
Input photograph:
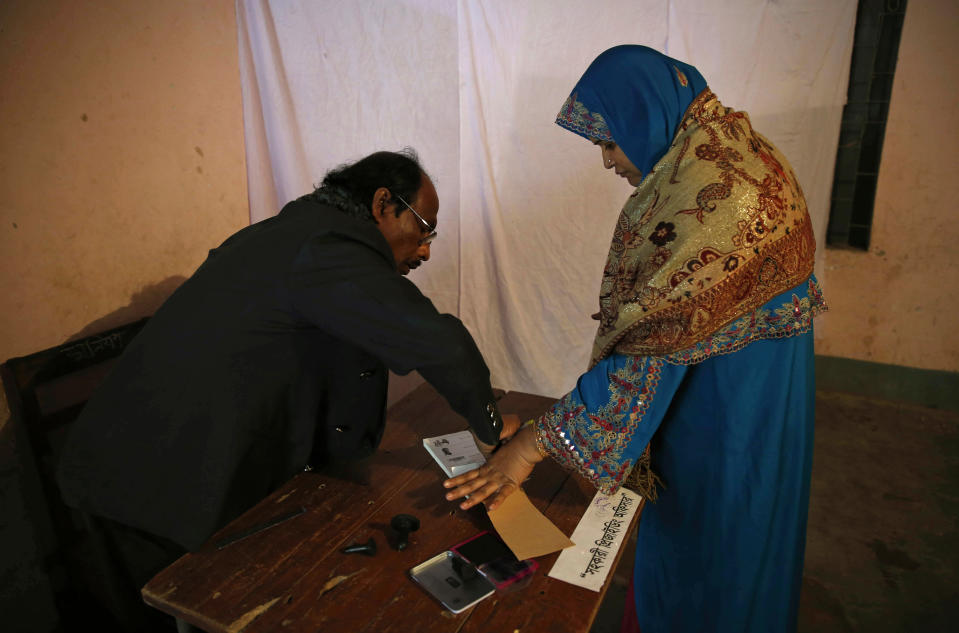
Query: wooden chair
x,y
46,392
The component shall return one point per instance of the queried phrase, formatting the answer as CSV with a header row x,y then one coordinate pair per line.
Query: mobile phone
x,y
492,558
453,581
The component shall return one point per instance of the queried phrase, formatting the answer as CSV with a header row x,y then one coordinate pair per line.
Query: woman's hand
x,y
501,476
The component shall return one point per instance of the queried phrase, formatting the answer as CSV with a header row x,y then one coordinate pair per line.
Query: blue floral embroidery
x,y
772,320
594,443
574,116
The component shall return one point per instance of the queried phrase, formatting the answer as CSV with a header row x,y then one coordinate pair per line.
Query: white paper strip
x,y
597,538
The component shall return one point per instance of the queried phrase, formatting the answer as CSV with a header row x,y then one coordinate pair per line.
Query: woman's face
x,y
614,158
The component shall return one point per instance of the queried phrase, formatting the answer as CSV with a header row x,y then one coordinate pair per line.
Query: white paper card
x,y
456,453
597,538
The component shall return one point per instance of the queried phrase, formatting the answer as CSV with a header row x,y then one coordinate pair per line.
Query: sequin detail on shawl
x,y
594,443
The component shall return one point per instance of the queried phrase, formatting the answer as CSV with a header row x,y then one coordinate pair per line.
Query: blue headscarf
x,y
635,97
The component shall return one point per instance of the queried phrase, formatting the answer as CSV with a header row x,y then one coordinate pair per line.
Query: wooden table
x,y
293,577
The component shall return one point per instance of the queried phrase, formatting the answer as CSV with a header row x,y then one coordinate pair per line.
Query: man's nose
x,y
423,252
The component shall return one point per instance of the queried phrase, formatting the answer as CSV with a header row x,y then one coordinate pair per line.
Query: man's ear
x,y
381,200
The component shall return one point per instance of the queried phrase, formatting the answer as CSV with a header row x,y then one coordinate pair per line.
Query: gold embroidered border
x,y
781,265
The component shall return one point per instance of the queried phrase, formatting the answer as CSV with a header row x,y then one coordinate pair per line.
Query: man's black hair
x,y
400,172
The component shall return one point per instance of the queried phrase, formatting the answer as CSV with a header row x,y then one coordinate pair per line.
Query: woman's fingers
x,y
490,492
467,489
500,496
478,485
459,480
479,495
466,483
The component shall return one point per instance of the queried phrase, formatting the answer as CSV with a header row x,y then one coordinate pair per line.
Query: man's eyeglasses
x,y
426,227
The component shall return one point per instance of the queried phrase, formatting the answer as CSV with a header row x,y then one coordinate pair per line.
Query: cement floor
x,y
882,548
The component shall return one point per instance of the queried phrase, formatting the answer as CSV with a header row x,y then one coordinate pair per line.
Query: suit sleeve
x,y
350,291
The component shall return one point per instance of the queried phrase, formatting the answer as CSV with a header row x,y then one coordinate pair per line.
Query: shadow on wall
x,y
29,604
143,303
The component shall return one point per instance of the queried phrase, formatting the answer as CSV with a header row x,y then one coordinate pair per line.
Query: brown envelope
x,y
525,530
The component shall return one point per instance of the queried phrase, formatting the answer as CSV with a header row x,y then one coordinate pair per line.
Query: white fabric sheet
x,y
327,82
526,210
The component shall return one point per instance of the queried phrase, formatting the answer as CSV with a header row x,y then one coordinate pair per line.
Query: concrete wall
x,y
122,163
123,159
897,303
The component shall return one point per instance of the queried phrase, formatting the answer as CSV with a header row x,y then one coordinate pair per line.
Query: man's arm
x,y
348,290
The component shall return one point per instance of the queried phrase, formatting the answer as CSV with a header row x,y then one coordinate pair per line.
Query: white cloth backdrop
x,y
526,210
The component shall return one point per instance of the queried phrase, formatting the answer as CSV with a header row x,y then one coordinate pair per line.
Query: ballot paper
x,y
597,538
456,453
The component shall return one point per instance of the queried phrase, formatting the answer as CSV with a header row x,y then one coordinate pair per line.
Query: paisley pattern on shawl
x,y
717,228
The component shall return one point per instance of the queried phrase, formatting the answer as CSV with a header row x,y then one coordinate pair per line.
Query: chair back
x,y
45,392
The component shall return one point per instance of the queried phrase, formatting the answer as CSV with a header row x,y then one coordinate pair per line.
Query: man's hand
x,y
503,474
511,424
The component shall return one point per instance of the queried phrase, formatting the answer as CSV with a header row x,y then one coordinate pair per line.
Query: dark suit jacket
x,y
272,355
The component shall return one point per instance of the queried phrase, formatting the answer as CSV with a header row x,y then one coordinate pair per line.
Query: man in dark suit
x,y
272,357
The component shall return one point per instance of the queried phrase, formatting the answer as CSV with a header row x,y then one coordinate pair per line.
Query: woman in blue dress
x,y
700,389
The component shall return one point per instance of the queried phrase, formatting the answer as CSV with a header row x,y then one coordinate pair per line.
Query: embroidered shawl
x,y
717,228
